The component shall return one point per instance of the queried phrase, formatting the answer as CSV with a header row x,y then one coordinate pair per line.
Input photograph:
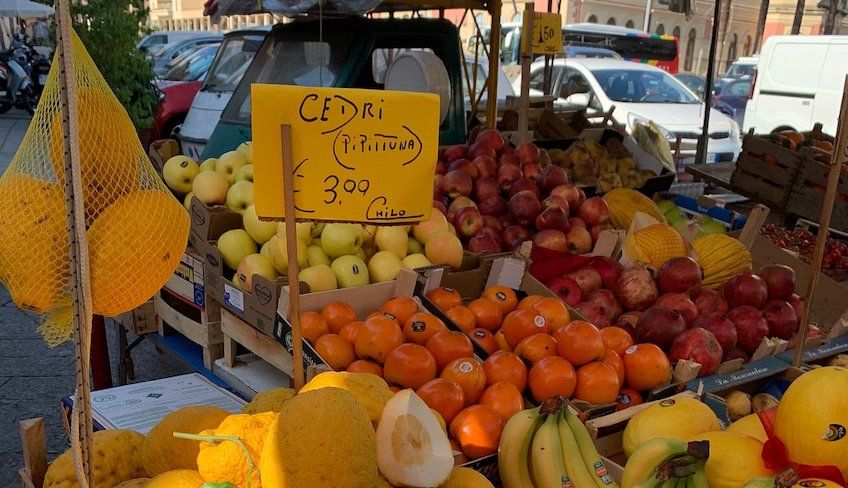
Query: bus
x,y
631,44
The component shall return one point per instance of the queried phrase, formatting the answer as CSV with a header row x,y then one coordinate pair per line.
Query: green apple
x,y
319,278
315,256
350,271
265,250
187,201
254,264
259,230
245,173
394,239
414,247
179,172
246,150
340,239
279,253
710,226
303,230
240,196
208,165
235,245
415,261
666,205
229,164
384,266
210,188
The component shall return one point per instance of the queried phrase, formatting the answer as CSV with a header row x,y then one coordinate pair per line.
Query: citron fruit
x,y
734,459
116,458
136,483
134,246
33,240
178,478
412,447
268,401
812,418
321,438
673,418
369,389
749,425
466,478
226,461
164,452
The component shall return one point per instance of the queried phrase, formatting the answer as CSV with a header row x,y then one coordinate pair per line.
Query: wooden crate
x,y
765,171
236,331
141,320
199,325
809,188
34,446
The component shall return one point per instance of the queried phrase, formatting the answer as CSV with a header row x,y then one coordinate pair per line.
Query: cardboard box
x,y
187,280
161,151
702,206
208,223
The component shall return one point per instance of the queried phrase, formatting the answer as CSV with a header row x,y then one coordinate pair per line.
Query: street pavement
x,y
35,378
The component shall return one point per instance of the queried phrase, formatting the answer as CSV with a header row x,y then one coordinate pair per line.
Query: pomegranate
x,y
781,319
595,313
797,304
567,290
722,328
524,207
736,353
751,327
699,345
780,281
606,299
746,289
628,321
636,288
659,326
710,301
587,279
609,269
679,302
679,275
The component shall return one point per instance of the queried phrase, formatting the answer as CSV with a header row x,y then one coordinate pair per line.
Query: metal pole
x,y
761,25
494,64
701,151
646,25
799,16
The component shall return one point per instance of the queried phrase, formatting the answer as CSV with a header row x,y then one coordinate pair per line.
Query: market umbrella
x,y
24,9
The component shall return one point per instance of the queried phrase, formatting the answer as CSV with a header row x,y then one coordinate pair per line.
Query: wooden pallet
x,y
34,445
199,325
766,171
141,320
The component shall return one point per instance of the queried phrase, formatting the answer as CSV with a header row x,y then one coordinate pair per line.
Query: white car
x,y
640,93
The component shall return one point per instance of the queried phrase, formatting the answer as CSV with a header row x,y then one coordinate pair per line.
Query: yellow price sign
x,y
547,33
358,155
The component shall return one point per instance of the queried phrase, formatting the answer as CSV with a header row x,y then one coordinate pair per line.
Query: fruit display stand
x,y
140,321
238,332
201,326
765,171
34,447
807,192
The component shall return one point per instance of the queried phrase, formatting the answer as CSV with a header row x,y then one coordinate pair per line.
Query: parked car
x,y
233,58
798,82
157,39
741,69
640,93
696,83
178,88
582,51
504,86
162,56
732,99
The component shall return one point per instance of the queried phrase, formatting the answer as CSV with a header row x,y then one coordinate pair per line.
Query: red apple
x,y
468,222
659,326
606,299
697,345
441,167
722,328
491,138
746,289
486,187
736,353
531,171
594,211
751,327
524,207
552,218
515,234
555,200
507,174
493,206
480,149
455,152
587,278
440,207
780,281
571,194
458,205
679,275
457,183
483,242
527,152
577,222
491,222
680,303
494,233
579,240
523,184
486,166
781,319
567,290
797,304
595,230
464,165
505,220
551,239
509,159
595,314
609,269
438,181
636,288
506,149
710,301
551,177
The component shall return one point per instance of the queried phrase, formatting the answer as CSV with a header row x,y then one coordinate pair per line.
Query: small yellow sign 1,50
x,y
357,155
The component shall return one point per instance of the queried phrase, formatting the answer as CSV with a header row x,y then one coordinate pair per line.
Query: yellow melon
x,y
734,459
625,202
466,478
673,418
749,425
178,478
654,245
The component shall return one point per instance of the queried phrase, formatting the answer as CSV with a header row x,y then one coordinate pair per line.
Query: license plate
x,y
42,79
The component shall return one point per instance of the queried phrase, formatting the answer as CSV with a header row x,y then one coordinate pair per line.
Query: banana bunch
x,y
667,463
549,447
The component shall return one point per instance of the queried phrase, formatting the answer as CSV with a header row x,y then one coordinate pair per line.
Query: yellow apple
x,y
187,201
210,188
339,239
444,248
415,261
235,245
423,230
179,172
350,271
394,239
279,253
240,196
414,247
302,229
208,165
265,250
319,278
315,256
259,230
245,173
228,165
384,266
246,150
254,264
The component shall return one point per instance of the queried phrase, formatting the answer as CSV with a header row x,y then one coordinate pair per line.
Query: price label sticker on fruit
x,y
357,155
547,33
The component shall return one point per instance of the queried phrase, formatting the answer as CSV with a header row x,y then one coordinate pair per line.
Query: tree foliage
x,y
110,30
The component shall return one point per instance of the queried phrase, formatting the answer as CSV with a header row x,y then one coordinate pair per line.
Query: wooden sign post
x,y
840,157
335,154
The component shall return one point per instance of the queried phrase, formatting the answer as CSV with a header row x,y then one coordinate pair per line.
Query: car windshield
x,y
234,57
740,70
192,67
644,86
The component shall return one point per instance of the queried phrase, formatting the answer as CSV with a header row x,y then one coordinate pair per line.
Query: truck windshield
x,y
235,55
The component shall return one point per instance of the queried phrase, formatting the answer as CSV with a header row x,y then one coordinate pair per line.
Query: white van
x,y
798,83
